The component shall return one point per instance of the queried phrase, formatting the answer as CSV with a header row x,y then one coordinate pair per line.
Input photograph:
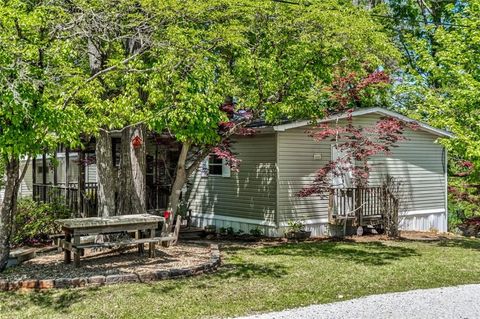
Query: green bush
x,y
33,221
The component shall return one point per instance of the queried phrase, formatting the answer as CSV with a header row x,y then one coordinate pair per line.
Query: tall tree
x,y
202,71
29,75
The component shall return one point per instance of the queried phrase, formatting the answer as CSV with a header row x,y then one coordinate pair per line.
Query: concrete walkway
x,y
450,302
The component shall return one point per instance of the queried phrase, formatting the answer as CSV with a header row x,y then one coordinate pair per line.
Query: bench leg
x,y
76,254
67,255
140,246
151,250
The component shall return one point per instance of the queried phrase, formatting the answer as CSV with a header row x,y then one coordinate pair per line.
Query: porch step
x,y
191,233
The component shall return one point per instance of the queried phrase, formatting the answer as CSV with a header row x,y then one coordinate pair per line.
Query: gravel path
x,y
450,302
109,262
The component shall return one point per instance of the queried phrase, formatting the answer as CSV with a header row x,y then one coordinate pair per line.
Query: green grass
x,y
267,278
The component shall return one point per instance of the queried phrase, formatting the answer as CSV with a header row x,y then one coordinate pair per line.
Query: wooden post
x,y
34,178
67,254
55,172
76,253
81,183
44,177
67,177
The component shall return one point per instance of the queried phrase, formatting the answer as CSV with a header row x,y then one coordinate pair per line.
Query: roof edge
x,y
378,110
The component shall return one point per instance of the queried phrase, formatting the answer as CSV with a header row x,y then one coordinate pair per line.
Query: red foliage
x,y
223,151
348,89
357,144
463,168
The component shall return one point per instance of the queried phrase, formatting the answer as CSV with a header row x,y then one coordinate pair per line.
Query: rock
x,y
14,285
113,279
79,282
63,282
149,276
46,284
3,285
161,274
29,284
130,278
97,280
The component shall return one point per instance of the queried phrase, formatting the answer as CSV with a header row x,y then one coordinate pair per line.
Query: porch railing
x,y
69,196
359,204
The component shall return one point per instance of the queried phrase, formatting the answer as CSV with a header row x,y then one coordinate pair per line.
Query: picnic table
x,y
74,228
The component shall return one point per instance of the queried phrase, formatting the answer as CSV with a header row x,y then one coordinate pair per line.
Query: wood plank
x,y
109,221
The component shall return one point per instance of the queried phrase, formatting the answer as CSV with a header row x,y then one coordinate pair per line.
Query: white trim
x,y
277,182
321,220
377,110
234,219
424,212
446,185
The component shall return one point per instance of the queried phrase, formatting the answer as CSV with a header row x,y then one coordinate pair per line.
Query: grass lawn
x,y
258,279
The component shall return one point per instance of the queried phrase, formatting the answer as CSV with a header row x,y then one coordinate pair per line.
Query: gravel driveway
x,y
450,302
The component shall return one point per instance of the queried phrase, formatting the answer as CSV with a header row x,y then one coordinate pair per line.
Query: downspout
x,y
277,189
445,169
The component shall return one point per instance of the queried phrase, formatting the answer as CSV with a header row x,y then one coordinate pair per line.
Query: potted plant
x,y
296,230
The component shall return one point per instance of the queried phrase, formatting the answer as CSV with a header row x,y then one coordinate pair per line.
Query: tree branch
x,y
102,72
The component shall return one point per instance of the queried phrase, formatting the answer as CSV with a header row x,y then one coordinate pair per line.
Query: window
x,y
215,166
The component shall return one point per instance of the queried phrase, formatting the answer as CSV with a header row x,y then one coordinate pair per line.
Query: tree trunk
x,y
8,208
132,176
106,175
179,180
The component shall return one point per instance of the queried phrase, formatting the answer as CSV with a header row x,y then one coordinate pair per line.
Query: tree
x,y
264,60
202,71
356,144
29,121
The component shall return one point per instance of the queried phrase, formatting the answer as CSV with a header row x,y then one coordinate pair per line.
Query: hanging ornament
x,y
137,142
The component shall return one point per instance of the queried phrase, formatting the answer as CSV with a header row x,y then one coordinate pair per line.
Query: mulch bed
x,y
49,265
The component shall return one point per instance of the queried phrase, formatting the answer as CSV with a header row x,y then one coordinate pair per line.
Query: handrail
x,y
356,203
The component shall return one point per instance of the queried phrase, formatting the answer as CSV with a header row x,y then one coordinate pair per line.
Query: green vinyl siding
x,y
250,193
297,165
417,161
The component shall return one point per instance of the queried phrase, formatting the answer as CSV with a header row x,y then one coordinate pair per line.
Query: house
x,y
280,160
277,162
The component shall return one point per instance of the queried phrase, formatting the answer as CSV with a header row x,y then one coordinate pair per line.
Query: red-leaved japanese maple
x,y
355,144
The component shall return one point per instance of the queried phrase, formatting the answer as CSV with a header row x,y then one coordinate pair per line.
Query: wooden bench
x,y
76,228
78,249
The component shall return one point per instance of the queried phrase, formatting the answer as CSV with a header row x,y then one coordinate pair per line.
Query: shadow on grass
x,y
58,300
467,243
246,270
371,253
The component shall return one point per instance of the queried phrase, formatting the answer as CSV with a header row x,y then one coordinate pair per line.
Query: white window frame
x,y
205,168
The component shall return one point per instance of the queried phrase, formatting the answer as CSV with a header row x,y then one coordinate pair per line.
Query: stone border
x,y
96,281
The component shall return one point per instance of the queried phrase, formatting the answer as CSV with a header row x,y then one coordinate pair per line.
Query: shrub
x,y
471,226
256,232
295,226
34,221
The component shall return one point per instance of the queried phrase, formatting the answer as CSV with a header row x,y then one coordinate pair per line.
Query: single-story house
x,y
277,162
280,160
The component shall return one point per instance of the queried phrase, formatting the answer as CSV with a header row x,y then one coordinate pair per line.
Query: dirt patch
x,y
49,265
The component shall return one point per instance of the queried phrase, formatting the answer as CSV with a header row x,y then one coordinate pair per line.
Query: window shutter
x,y
226,171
